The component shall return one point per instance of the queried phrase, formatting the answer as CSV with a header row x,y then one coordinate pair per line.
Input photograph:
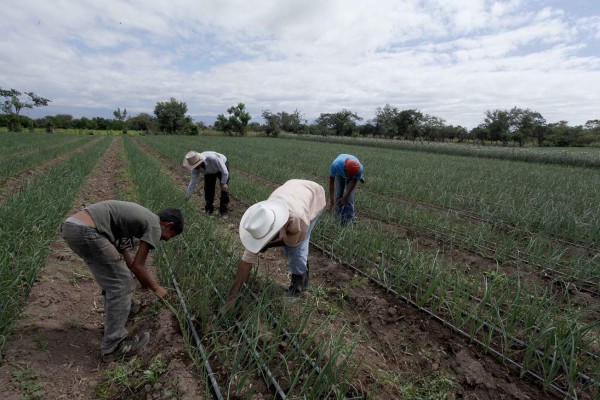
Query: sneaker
x,y
128,347
225,215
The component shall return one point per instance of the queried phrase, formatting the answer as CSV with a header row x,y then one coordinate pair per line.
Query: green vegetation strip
x,y
30,221
206,256
561,262
546,198
12,143
13,164
585,158
530,314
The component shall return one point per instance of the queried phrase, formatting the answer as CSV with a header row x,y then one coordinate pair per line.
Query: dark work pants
x,y
210,181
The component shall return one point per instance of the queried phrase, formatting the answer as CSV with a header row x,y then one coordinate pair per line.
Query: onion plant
x,y
30,221
204,259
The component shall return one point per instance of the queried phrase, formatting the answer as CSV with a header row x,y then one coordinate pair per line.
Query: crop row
x,y
546,198
560,345
588,157
240,347
515,244
514,319
17,162
30,220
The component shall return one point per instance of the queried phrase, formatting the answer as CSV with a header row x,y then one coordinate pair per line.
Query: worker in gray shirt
x,y
101,234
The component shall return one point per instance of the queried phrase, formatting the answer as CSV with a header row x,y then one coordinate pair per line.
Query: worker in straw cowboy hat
x,y
213,166
286,219
345,171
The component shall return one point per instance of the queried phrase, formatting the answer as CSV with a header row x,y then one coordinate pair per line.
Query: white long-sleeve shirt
x,y
214,162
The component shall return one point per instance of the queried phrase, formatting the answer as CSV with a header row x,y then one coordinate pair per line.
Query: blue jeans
x,y
346,211
111,274
297,256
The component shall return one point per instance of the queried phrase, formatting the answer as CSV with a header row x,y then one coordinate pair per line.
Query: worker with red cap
x,y
345,171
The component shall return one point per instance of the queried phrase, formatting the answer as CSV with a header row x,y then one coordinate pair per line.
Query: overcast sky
x,y
453,59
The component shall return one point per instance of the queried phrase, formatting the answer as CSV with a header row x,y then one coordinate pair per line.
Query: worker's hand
x,y
224,187
342,201
161,292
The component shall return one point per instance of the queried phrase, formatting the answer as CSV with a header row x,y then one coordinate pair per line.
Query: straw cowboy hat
x,y
261,222
193,159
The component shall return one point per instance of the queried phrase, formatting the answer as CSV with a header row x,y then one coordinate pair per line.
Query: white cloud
x,y
451,58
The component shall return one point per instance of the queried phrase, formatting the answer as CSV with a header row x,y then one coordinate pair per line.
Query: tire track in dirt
x,y
59,334
401,345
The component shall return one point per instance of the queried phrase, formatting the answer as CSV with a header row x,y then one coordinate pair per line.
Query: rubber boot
x,y
305,277
296,287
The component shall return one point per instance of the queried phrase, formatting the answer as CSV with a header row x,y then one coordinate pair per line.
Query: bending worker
x,y
213,166
345,171
100,234
286,219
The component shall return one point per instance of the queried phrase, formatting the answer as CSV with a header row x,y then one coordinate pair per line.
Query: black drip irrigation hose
x,y
485,251
582,285
554,388
584,377
276,322
209,372
266,371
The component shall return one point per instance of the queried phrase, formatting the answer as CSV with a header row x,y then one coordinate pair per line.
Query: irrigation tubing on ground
x,y
478,300
486,251
583,377
465,213
209,372
267,372
557,390
585,285
553,387
276,322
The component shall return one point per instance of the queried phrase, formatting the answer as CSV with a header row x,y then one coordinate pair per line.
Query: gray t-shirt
x,y
122,222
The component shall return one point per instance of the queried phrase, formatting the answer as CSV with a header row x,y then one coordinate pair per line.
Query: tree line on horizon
x,y
517,126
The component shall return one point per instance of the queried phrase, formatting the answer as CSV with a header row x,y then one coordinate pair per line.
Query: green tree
x,y
385,120
171,116
121,116
222,124
238,118
432,128
481,133
527,124
368,129
142,122
342,123
272,123
408,123
498,123
562,135
14,104
63,121
292,122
